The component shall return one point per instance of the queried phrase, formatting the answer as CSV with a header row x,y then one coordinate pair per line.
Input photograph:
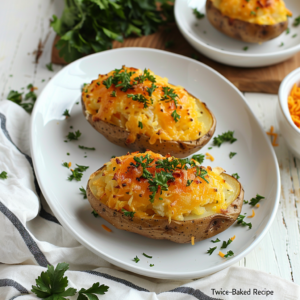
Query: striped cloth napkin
x,y
32,238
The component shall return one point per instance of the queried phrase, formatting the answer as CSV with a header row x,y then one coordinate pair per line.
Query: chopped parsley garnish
x,y
140,162
282,44
128,213
66,113
49,66
255,200
232,154
201,173
198,158
287,31
246,48
198,14
209,148
108,82
151,89
224,137
169,95
68,153
81,168
113,156
189,182
211,250
226,244
3,175
122,79
52,285
136,259
140,124
15,96
296,22
86,148
236,176
146,76
98,83
151,265
77,173
113,94
246,202
229,253
253,13
240,221
294,35
73,136
169,44
147,255
66,165
94,213
83,192
140,98
175,116
216,241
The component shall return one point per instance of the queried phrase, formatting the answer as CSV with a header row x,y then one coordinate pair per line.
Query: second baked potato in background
x,y
140,110
251,21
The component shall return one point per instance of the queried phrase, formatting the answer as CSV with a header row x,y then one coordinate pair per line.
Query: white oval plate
x,y
255,162
217,46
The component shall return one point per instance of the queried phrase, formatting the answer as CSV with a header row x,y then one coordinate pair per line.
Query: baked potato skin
x,y
176,231
241,30
119,136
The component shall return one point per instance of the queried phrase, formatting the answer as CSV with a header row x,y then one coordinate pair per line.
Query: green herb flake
x,y
151,265
151,89
175,116
224,137
229,253
189,182
211,250
296,22
66,114
94,213
254,201
232,154
246,48
226,244
246,202
240,221
294,35
3,175
83,192
108,82
236,176
73,136
98,83
113,156
136,259
209,148
49,66
216,241
282,44
198,158
86,148
140,125
128,213
169,95
146,76
201,173
65,164
287,31
113,94
140,98
198,14
147,255
68,153
253,13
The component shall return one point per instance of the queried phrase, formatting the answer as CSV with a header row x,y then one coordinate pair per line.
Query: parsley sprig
x,y
226,244
175,116
215,241
146,76
296,21
77,173
73,136
169,95
151,89
225,137
201,173
86,148
240,221
254,201
211,250
140,98
52,285
83,192
229,253
66,113
128,213
3,175
236,176
198,14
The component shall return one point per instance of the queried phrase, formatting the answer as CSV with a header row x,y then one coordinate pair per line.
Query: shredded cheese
x,y
233,238
257,205
273,136
69,164
221,254
294,105
209,156
253,214
106,228
193,240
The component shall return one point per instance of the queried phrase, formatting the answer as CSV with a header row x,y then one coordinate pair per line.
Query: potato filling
x,y
152,185
144,103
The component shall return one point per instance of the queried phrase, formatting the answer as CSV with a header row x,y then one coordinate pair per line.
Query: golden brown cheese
x,y
113,105
119,185
263,12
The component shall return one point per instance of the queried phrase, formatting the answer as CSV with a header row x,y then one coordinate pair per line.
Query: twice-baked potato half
x,y
253,21
165,197
140,110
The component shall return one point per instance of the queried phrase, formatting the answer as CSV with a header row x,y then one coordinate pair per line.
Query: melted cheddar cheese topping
x,y
263,12
120,185
113,105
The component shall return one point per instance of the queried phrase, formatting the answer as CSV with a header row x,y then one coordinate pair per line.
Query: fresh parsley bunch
x,y
88,26
52,284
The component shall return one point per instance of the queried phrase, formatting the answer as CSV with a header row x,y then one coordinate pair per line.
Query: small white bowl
x,y
288,129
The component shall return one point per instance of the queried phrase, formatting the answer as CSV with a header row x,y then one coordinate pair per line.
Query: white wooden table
x,y
25,24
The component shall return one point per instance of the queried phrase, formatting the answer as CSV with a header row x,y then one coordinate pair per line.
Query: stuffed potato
x,y
140,110
165,197
252,21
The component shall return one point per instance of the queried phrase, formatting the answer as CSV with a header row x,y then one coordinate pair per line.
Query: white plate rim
x,y
286,52
127,265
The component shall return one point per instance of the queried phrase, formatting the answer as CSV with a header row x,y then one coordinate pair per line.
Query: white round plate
x,y
255,163
217,46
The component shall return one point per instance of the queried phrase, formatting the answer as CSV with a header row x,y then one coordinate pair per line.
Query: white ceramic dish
x,y
289,131
217,46
255,162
